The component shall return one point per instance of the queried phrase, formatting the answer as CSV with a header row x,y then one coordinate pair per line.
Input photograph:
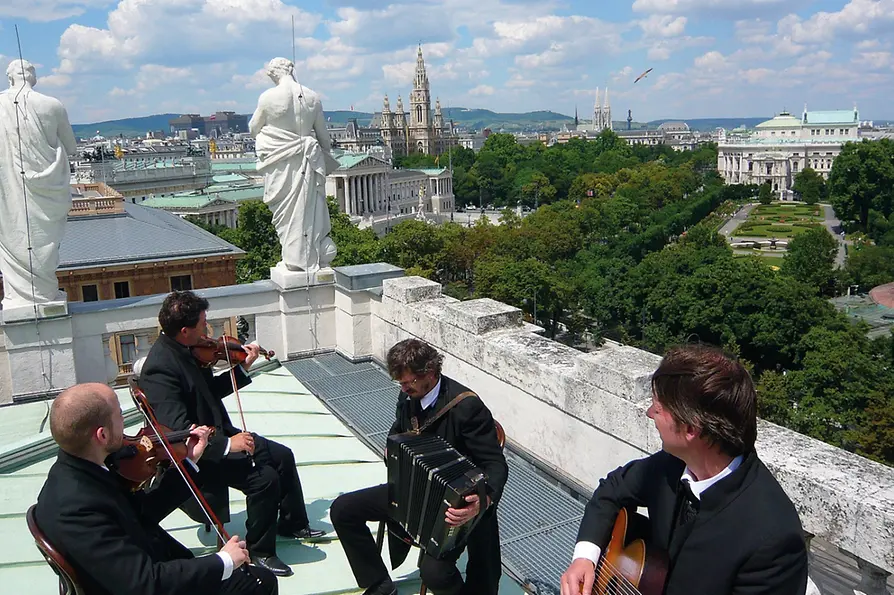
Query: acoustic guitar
x,y
630,565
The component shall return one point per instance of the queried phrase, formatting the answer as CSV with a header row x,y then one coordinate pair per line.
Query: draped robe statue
x,y
35,137
292,144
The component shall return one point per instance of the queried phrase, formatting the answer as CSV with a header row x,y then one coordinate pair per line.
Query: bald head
x,y
78,412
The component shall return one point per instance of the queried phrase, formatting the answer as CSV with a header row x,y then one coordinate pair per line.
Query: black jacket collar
x,y
719,495
93,470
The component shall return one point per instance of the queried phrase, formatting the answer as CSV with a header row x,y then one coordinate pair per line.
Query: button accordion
x,y
426,476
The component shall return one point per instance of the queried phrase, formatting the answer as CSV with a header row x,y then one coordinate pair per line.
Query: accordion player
x,y
426,476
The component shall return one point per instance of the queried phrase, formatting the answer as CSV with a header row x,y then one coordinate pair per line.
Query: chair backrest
x,y
68,582
501,434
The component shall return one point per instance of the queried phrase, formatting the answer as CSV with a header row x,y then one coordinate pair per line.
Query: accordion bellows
x,y
426,476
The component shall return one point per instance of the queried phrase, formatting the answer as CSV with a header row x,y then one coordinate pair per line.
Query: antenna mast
x,y
293,39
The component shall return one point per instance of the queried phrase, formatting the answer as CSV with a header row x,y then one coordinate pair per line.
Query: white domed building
x,y
783,146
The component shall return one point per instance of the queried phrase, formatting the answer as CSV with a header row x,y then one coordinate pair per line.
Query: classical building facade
x,y
776,150
365,185
419,130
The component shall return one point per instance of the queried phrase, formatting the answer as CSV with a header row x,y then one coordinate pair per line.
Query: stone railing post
x,y
873,580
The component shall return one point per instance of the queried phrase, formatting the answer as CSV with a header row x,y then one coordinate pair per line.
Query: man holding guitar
x,y
723,520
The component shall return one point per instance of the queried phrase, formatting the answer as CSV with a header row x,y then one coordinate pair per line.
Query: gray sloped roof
x,y
140,234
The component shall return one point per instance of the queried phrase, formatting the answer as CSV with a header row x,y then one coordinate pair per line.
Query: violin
x,y
210,351
143,456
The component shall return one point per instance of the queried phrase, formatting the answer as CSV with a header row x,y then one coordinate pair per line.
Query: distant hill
x,y
709,124
470,119
127,126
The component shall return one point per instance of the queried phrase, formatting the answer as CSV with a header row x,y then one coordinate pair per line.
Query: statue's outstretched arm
x,y
65,132
258,120
320,129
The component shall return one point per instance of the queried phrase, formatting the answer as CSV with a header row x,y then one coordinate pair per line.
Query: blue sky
x,y
711,58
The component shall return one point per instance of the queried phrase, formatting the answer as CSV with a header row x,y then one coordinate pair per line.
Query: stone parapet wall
x,y
584,414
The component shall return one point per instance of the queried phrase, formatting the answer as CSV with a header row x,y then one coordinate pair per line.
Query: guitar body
x,y
630,565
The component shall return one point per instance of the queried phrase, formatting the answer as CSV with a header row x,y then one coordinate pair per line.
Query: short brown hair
x,y
180,309
706,388
414,355
76,414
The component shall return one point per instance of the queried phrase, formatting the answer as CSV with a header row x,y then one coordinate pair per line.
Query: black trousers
x,y
274,499
350,513
257,581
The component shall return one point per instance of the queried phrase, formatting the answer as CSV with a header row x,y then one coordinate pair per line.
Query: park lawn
x,y
767,260
788,212
768,229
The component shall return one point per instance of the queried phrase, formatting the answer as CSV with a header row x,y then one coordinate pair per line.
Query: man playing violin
x,y
110,534
182,392
723,519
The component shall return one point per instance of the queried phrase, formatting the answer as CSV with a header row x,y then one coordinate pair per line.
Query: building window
x,y
181,282
122,289
128,349
795,166
90,293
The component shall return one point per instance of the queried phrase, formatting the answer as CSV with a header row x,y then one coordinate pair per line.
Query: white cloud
x,y
258,80
176,31
482,90
717,7
48,10
663,25
875,60
856,18
713,60
54,80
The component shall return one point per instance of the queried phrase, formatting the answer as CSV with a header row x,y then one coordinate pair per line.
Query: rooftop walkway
x,y
331,461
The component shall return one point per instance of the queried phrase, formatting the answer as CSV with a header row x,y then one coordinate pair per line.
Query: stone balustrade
x,y
578,415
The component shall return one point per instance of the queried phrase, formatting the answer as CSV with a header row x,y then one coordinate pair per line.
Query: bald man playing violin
x,y
183,392
110,534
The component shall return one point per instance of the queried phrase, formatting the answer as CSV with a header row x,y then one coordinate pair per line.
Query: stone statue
x,y
292,145
35,137
420,208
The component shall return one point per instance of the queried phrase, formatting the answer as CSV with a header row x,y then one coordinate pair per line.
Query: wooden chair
x,y
380,536
68,580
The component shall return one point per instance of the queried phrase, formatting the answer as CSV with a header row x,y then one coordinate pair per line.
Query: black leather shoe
x,y
306,533
386,587
273,564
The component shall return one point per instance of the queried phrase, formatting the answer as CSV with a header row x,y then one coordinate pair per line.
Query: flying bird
x,y
642,76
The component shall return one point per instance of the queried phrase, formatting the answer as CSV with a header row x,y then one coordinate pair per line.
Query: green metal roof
x,y
231,179
331,461
431,171
840,116
233,166
349,160
197,199
781,121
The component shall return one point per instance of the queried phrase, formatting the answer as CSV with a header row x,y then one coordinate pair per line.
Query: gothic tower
x,y
607,113
400,129
420,110
597,113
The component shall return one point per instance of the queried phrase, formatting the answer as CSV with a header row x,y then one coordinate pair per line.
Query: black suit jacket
x,y
469,428
181,392
112,538
745,539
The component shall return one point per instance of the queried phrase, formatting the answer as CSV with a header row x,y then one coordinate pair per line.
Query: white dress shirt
x,y
432,396
591,551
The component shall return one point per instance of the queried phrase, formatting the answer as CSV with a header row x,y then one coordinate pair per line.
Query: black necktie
x,y
690,505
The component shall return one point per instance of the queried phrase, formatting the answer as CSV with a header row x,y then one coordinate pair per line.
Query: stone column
x,y
367,180
348,196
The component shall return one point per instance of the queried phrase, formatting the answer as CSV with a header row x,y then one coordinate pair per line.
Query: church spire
x,y
421,81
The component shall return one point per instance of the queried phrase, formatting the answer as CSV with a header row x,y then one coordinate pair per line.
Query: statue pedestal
x,y
287,279
53,309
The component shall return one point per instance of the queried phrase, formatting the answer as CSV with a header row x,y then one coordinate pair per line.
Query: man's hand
x,y
581,573
197,441
456,517
236,550
242,442
253,351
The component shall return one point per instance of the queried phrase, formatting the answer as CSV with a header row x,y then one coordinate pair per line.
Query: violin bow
x,y
143,405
